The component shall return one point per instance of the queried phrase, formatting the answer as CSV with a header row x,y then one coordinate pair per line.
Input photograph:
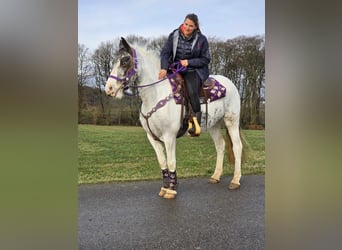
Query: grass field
x,y
118,153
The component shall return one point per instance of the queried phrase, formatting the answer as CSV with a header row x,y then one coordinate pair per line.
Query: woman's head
x,y
194,18
190,24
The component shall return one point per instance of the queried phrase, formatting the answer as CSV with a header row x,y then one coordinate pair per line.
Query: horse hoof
x,y
170,194
213,181
162,192
233,186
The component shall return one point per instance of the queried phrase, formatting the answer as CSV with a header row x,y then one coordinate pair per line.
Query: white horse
x,y
138,68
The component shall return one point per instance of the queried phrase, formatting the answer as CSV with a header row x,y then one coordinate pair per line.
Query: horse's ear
x,y
124,45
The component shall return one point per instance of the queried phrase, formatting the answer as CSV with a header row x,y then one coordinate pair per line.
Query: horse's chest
x,y
159,121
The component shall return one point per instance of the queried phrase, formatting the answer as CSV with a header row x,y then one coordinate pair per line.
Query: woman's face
x,y
188,27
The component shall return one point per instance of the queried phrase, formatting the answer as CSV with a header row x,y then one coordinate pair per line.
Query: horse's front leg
x,y
159,149
170,146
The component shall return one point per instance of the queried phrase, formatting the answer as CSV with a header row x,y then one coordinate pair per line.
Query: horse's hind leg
x,y
232,124
159,149
216,135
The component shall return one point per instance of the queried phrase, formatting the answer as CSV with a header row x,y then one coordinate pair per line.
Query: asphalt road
x,y
203,216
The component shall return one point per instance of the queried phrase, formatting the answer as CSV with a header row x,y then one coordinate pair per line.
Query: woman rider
x,y
190,47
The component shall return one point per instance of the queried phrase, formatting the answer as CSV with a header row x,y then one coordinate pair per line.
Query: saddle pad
x,y
211,90
215,89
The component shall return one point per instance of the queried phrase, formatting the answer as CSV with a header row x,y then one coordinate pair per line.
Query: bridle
x,y
128,79
130,75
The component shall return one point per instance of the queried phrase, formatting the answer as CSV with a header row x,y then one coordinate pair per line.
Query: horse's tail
x,y
229,147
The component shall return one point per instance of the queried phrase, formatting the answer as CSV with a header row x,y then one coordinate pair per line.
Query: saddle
x,y
210,90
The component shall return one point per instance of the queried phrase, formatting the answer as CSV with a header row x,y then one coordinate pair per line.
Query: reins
x,y
126,80
175,68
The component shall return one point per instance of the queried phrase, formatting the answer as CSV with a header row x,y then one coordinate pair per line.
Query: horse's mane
x,y
146,48
150,58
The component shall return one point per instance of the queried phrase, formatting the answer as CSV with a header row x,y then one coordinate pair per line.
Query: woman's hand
x,y
162,74
184,63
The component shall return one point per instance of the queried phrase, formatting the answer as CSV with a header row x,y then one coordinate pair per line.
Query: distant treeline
x,y
241,59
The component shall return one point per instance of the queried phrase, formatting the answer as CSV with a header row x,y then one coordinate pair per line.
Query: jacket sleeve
x,y
201,54
166,53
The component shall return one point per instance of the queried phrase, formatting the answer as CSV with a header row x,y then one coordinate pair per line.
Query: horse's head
x,y
124,72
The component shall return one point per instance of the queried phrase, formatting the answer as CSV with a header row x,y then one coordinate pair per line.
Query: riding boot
x,y
199,118
195,130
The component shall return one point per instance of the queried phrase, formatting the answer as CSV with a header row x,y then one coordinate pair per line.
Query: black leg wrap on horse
x,y
173,180
166,178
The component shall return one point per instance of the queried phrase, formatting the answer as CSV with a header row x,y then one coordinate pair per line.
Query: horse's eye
x,y
125,60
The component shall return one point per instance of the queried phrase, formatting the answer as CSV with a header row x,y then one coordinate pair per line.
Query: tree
x,y
253,69
242,60
157,43
215,65
83,74
103,59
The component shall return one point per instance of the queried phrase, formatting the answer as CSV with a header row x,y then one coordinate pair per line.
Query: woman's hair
x,y
193,17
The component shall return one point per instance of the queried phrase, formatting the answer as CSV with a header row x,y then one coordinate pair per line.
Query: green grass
x,y
118,153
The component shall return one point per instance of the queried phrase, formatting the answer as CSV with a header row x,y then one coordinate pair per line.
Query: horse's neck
x,y
149,66
151,95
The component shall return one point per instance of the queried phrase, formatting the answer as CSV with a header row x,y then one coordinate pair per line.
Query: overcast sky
x,y
104,20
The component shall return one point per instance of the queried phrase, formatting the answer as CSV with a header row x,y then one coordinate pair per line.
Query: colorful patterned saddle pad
x,y
210,91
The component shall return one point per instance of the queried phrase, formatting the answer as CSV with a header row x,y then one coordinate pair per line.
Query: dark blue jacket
x,y
200,55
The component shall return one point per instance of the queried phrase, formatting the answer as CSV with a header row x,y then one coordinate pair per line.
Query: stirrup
x,y
194,127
